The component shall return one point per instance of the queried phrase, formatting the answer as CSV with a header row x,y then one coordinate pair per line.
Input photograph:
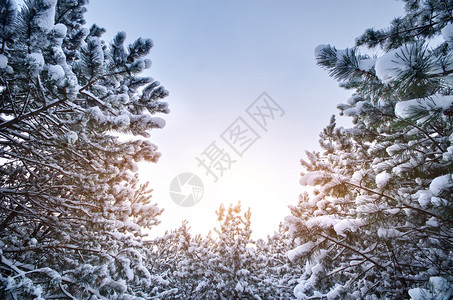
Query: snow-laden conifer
x,y
72,211
379,222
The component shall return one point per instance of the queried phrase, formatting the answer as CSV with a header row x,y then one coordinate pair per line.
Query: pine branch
x,y
402,204
420,29
32,113
333,272
66,293
60,246
353,250
438,75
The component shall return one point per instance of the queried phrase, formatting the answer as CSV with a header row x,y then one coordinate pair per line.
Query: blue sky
x,y
216,58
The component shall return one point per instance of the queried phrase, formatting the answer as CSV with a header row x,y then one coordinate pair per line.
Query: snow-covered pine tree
x,y
179,264
379,223
192,272
225,265
238,270
279,275
71,207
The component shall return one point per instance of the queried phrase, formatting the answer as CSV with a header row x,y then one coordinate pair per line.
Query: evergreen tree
x,y
72,212
223,265
228,264
234,265
379,222
279,275
179,264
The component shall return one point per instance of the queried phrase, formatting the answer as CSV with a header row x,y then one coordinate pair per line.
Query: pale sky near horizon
x,y
216,58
